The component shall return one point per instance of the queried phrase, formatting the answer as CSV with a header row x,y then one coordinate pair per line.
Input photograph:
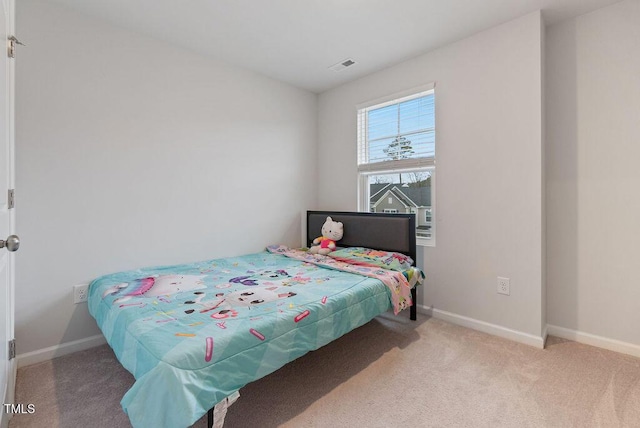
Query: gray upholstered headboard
x,y
390,232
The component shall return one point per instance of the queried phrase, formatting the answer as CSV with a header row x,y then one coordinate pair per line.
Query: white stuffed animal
x,y
331,232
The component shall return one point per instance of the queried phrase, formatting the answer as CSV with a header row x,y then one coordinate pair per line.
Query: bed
x,y
192,335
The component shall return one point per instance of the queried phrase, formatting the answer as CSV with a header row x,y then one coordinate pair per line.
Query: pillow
x,y
366,256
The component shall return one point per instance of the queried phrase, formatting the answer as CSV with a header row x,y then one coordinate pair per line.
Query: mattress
x,y
196,333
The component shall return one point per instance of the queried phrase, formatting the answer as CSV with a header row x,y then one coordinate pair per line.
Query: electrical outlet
x,y
503,285
80,293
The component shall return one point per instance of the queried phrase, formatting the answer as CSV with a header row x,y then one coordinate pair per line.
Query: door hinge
x,y
12,46
12,349
11,198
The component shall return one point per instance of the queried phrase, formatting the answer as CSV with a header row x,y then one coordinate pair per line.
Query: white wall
x,y
593,177
489,176
131,152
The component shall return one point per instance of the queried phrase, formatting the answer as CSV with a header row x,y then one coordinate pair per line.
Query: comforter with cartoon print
x,y
194,334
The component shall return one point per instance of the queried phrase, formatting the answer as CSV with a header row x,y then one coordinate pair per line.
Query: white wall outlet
x,y
80,293
503,286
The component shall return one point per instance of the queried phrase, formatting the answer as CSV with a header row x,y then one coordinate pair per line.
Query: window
x,y
396,158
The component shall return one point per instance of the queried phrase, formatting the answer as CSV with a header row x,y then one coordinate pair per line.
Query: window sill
x,y
425,242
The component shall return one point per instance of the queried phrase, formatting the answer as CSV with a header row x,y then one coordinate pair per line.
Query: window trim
x,y
397,97
396,166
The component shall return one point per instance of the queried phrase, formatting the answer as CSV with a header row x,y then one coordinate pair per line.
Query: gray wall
x,y
593,148
131,153
489,169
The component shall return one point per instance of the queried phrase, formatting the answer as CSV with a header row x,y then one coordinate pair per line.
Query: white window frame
x,y
396,166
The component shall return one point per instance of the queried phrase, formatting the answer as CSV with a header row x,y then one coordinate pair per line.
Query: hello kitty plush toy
x,y
331,232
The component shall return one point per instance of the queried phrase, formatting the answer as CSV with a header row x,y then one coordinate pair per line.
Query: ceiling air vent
x,y
342,65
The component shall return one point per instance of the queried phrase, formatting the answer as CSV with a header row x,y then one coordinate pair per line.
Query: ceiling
x,y
296,41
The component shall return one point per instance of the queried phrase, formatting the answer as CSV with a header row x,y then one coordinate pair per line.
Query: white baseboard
x,y
485,327
593,340
52,352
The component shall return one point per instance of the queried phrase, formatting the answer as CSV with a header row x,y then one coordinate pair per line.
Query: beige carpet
x,y
389,373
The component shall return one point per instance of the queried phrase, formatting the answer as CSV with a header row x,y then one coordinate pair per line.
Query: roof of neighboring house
x,y
421,196
410,196
377,190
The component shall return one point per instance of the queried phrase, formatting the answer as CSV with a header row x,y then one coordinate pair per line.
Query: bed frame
x,y
389,232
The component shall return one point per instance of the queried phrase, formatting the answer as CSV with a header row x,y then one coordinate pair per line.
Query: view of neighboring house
x,y
403,198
